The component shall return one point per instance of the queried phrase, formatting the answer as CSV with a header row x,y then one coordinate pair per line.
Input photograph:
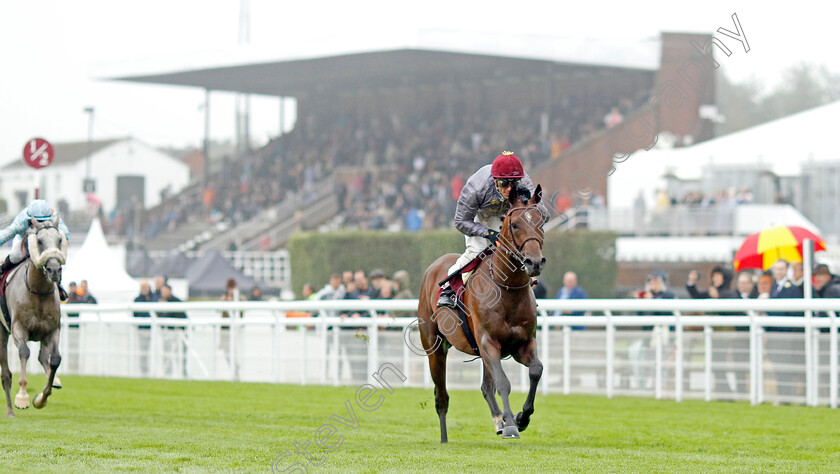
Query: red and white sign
x,y
38,153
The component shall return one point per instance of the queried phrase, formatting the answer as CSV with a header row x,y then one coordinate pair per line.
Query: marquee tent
x,y
208,275
105,273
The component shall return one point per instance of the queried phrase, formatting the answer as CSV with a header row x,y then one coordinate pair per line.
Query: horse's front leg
x,y
488,389
527,356
22,398
491,354
50,359
6,373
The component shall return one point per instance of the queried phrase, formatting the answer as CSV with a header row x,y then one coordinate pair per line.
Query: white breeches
x,y
474,246
16,255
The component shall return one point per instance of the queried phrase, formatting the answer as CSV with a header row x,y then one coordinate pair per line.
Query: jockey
x,y
482,205
41,211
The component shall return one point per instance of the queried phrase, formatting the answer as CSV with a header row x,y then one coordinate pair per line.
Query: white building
x,y
121,168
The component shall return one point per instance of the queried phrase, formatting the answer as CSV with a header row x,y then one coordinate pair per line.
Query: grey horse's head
x,y
47,247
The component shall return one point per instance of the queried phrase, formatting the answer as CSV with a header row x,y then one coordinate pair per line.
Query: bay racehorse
x,y
501,313
33,303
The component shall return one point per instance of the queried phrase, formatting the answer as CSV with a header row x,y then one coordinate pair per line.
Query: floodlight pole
x,y
89,111
206,147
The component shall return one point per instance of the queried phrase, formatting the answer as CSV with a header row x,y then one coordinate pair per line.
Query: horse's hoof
x,y
520,423
510,432
10,414
56,382
39,401
499,425
21,403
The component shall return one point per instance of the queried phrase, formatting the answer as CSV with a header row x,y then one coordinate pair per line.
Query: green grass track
x,y
107,424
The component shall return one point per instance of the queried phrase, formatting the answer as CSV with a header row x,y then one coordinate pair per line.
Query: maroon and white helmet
x,y
507,165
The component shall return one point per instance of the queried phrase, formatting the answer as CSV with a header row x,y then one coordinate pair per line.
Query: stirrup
x,y
447,297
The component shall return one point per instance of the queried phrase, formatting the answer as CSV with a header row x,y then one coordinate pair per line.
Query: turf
x,y
107,424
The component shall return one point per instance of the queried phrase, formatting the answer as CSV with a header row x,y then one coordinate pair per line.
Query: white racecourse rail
x,y
617,348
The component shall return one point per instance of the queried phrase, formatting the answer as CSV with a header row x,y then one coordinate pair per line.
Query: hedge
x,y
314,256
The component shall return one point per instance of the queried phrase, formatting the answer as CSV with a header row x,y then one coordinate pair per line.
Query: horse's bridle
x,y
26,280
44,226
518,247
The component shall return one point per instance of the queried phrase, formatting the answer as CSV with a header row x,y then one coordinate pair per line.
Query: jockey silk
x,y
481,203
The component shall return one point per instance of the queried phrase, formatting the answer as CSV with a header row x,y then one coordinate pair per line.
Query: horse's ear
x,y
513,197
55,220
537,194
34,222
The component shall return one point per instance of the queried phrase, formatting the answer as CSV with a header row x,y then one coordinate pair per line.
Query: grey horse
x,y
33,302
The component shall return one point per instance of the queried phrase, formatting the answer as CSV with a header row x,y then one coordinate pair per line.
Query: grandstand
x,y
386,134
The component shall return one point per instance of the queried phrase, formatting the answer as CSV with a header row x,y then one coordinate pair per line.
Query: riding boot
x,y
447,296
7,265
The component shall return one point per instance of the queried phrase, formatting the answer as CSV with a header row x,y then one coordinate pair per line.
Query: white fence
x,y
610,351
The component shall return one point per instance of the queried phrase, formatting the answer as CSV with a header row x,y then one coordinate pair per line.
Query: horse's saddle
x,y
457,285
4,281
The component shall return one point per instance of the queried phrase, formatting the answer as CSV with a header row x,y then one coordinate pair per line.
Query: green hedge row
x,y
315,256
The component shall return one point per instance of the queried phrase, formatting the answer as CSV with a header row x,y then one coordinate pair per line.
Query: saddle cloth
x,y
457,285
4,280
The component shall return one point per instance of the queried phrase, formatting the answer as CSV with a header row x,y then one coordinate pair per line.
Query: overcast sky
x,y
50,49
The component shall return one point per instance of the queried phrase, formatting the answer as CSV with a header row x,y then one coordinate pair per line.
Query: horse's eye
x,y
515,226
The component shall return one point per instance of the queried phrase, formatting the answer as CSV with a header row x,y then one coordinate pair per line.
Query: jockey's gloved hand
x,y
492,236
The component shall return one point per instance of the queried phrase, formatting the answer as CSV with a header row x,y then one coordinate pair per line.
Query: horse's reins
x,y
518,248
43,269
26,279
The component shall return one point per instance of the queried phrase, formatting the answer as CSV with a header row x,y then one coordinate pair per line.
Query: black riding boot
x,y
447,297
7,265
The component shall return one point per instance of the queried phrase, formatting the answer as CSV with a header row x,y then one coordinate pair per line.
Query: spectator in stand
x,y
334,290
160,280
571,291
764,285
728,348
355,350
347,278
362,290
144,331
231,291
796,288
377,281
256,294
782,350
720,285
638,351
84,295
745,285
403,289
613,118
826,284
656,287
779,271
174,345
540,291
308,291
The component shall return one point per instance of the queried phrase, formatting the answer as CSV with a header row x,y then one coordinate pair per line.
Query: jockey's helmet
x,y
507,165
40,210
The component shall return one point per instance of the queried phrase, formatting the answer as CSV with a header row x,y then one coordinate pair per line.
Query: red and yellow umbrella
x,y
762,249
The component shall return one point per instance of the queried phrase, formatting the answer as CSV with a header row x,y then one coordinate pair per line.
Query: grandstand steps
x,y
180,237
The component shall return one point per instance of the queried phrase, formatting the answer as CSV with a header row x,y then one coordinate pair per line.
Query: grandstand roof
x,y
430,57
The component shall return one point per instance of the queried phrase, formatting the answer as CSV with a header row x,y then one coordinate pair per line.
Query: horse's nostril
x,y
529,262
542,262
